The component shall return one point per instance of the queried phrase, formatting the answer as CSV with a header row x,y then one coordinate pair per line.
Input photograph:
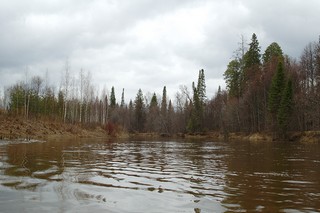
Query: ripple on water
x,y
160,177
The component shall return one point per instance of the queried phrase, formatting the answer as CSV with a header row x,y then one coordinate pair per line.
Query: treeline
x,y
272,92
268,92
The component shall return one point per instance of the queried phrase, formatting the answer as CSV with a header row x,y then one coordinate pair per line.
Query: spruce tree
x,y
122,99
154,101
139,108
232,76
164,102
170,117
112,98
251,64
201,86
252,56
195,121
285,108
276,89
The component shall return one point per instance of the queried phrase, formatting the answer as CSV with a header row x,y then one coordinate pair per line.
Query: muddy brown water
x,y
159,176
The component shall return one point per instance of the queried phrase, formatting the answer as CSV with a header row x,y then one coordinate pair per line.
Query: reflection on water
x,y
159,176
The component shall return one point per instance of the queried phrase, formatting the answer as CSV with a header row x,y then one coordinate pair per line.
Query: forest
x,y
265,92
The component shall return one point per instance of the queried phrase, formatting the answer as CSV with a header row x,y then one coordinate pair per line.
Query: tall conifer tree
x,y
164,102
112,98
201,86
285,108
276,89
139,108
122,99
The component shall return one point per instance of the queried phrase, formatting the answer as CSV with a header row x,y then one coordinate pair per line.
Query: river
x,y
159,176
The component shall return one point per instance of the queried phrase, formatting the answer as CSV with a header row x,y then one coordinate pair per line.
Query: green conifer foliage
x,y
232,77
252,56
154,101
122,99
273,50
276,89
112,98
164,102
286,106
139,108
201,87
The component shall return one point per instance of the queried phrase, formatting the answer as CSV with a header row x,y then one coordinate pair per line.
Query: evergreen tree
x,y
170,117
154,101
152,120
286,107
276,89
251,63
122,99
164,102
201,87
272,51
163,111
195,121
139,111
233,78
252,56
130,116
112,98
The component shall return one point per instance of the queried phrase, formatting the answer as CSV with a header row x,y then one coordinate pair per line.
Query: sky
x,y
145,44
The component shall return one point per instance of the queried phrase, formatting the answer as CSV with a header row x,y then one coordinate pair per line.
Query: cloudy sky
x,y
144,44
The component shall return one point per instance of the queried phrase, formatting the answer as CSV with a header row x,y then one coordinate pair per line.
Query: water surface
x,y
159,176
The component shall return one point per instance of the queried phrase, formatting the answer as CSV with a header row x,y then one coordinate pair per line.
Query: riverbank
x,y
303,137
13,128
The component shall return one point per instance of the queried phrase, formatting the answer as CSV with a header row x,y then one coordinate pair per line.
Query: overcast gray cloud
x,y
142,43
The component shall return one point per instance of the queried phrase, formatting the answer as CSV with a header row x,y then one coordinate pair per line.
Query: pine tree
x,y
112,98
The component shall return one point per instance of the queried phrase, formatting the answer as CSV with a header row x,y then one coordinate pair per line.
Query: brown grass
x,y
20,128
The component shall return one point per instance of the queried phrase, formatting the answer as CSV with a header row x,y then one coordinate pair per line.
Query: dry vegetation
x,y
12,127
20,128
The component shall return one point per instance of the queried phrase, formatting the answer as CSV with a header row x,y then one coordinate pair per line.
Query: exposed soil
x,y
20,128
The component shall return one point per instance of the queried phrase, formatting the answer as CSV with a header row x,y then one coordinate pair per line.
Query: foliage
x,y
286,107
252,56
164,102
276,90
256,94
112,98
139,108
272,51
201,86
195,123
122,99
232,76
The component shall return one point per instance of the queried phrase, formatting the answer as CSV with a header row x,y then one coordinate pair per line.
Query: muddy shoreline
x,y
13,128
